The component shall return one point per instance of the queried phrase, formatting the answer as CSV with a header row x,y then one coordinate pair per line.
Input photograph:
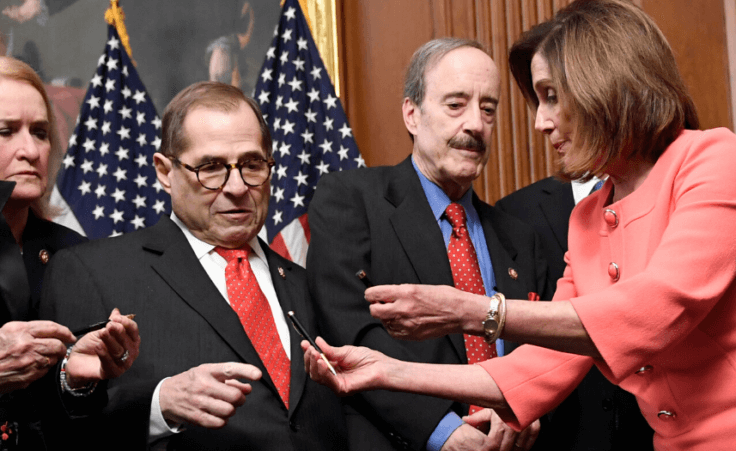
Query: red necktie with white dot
x,y
251,305
466,276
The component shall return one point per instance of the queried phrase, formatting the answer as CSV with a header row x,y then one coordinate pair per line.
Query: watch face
x,y
490,326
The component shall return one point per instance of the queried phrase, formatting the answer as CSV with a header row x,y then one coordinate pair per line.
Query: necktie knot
x,y
456,215
232,254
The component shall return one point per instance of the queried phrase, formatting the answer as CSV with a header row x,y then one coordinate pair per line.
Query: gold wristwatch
x,y
493,324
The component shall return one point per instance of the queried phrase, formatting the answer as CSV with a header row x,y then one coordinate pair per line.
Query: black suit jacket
x,y
379,220
184,322
597,415
40,416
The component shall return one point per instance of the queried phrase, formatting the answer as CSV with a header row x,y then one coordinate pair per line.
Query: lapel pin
x,y
514,275
282,273
44,256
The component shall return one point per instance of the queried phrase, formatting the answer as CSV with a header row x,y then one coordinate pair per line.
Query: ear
x,y
411,113
164,167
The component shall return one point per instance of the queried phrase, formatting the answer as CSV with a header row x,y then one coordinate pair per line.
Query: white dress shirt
x,y
581,190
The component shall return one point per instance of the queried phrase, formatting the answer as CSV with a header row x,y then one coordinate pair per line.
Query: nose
x,y
27,146
235,185
542,121
473,121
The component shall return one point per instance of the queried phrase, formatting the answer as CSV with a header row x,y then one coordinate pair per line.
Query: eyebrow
x,y
465,95
246,155
10,120
544,81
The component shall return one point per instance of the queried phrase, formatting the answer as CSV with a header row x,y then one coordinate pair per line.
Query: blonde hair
x,y
17,70
616,77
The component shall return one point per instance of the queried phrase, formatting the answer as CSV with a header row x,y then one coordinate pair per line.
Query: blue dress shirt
x,y
438,202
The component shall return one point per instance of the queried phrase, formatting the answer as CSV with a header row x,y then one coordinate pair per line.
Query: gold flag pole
x,y
115,16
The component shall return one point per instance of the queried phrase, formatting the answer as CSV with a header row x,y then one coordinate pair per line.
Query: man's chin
x,y
234,240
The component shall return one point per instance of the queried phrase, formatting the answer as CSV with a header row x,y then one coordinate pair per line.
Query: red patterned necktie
x,y
466,276
251,305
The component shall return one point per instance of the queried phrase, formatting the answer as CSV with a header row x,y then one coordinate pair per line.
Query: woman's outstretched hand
x,y
358,368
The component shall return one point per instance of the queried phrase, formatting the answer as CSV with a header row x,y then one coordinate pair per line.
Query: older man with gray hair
x,y
420,223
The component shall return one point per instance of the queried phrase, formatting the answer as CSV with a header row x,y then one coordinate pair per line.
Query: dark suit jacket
x,y
379,219
42,414
41,240
184,322
597,415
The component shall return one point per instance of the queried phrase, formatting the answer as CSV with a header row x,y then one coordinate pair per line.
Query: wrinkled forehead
x,y
19,96
467,72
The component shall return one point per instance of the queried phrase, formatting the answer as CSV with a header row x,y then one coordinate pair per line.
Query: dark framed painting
x,y
174,43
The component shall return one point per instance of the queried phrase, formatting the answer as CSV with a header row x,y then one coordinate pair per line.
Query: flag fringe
x,y
115,16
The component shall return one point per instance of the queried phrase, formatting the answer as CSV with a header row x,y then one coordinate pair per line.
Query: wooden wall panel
x,y
378,39
697,33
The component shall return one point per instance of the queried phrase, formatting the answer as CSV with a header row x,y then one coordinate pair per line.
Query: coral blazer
x,y
652,280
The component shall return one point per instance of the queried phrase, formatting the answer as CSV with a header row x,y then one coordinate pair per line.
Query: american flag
x,y
310,131
107,176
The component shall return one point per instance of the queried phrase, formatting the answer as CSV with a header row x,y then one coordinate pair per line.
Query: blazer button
x,y
44,256
666,415
607,404
610,217
644,370
613,271
294,427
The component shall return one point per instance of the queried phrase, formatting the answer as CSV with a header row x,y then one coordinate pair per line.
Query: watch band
x,y
495,318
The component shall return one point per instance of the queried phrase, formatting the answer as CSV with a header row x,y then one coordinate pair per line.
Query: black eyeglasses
x,y
214,175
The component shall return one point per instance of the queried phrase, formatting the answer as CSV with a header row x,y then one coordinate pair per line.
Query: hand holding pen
x,y
102,351
97,326
303,332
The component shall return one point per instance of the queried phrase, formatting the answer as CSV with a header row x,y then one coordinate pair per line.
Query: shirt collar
x,y
201,248
438,199
581,190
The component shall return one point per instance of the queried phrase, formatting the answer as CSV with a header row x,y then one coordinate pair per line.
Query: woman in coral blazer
x,y
649,292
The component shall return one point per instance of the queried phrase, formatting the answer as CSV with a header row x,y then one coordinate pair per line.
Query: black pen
x,y
97,326
363,276
303,332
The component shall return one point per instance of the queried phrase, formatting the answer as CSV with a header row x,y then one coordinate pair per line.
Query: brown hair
x,y
17,70
616,77
207,94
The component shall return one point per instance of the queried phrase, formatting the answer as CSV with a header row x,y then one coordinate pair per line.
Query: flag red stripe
x,y
279,246
305,225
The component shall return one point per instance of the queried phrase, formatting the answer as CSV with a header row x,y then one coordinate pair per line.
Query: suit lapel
x,y
288,289
14,289
177,264
420,236
503,253
556,208
416,227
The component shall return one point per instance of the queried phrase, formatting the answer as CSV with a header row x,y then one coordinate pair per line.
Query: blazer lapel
x,y
14,290
179,267
503,253
416,227
288,288
556,209
419,234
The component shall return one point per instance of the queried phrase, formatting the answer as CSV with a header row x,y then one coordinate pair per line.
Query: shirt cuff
x,y
158,427
442,432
